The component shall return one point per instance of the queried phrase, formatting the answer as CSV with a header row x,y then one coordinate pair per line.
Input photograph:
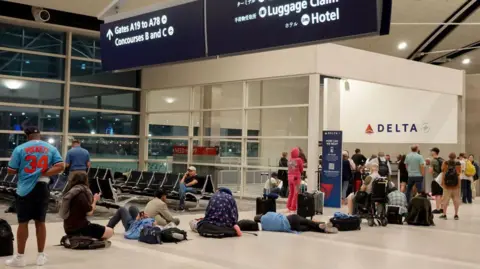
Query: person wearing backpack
x,y
475,177
436,169
468,171
451,170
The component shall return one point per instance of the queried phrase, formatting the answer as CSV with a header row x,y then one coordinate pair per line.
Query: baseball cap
x,y
192,168
31,130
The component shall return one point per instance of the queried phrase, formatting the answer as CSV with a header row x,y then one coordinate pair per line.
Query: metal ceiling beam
x,y
442,31
455,54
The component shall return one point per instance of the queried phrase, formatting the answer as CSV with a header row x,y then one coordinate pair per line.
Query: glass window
x,y
267,152
14,118
172,124
121,167
86,47
229,177
103,123
228,95
292,121
276,92
163,148
164,167
110,147
19,37
208,150
90,72
31,92
29,65
8,142
173,99
103,98
222,123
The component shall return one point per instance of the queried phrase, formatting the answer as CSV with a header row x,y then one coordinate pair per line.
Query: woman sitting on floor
x,y
276,222
78,203
221,216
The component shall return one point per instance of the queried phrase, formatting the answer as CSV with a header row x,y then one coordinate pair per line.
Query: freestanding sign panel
x,y
331,180
169,35
243,25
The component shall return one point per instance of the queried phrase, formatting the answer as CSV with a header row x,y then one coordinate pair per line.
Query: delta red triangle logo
x,y
369,129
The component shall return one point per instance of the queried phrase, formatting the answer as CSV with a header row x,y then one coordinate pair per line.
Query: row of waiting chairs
x,y
8,183
146,183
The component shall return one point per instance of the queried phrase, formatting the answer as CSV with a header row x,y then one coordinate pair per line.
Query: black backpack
x,y
173,235
151,235
451,176
6,239
383,168
83,242
248,225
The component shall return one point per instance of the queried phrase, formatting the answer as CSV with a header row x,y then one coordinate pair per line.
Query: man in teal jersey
x,y
33,162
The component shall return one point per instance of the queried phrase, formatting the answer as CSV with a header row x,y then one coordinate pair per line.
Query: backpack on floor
x,y
209,230
83,242
351,223
248,225
173,235
6,239
151,235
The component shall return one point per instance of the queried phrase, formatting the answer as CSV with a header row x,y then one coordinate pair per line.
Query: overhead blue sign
x,y
331,180
168,35
243,25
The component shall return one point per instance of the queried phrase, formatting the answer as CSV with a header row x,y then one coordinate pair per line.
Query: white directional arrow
x,y
109,34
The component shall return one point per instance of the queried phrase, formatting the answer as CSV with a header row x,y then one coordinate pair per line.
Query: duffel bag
x,y
347,224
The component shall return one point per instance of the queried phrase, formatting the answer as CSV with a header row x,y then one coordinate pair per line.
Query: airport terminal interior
x,y
155,88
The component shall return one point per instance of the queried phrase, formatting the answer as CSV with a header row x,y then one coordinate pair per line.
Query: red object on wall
x,y
205,151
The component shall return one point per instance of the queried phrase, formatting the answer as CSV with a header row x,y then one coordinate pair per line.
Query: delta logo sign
x,y
398,128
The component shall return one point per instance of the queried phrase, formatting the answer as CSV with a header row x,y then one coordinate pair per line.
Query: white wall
x,y
433,115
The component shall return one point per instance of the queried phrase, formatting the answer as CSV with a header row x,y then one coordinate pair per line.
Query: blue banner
x,y
331,180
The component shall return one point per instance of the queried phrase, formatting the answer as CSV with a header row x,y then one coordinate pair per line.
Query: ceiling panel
x,y
84,7
409,11
460,37
472,68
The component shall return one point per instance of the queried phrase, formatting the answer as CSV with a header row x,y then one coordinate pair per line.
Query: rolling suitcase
x,y
319,201
306,205
265,204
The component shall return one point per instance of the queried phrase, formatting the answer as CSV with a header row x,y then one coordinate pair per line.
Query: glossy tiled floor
x,y
451,244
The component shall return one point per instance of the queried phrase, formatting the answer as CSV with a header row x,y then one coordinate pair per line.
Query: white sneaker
x,y
41,259
16,261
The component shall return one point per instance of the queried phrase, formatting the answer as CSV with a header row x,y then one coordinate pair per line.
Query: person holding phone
x,y
187,184
78,202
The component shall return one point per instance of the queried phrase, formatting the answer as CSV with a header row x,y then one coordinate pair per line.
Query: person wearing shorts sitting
x,y
78,202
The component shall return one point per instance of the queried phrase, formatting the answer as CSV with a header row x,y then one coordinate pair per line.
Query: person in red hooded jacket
x,y
295,170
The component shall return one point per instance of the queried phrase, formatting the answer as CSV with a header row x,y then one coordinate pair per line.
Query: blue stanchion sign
x,y
331,181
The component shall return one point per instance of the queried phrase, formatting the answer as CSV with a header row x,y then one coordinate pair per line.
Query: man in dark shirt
x,y
358,158
187,184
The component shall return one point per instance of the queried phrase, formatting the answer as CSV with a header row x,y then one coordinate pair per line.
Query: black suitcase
x,y
265,205
306,205
6,239
349,224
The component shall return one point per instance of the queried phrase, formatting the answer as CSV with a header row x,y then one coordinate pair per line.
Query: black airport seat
x,y
135,177
12,184
143,182
171,182
157,183
101,173
59,185
119,178
92,172
105,185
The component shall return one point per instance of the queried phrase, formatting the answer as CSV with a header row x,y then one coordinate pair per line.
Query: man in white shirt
x,y
384,168
273,184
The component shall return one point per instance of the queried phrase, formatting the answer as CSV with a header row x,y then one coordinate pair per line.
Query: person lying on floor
x,y
157,208
277,222
221,215
78,203
133,221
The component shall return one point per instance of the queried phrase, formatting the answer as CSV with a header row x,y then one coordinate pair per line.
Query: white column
x,y
66,95
313,130
244,160
143,131
331,104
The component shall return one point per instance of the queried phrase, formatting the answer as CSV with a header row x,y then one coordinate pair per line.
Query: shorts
x,y
91,230
34,205
450,193
437,190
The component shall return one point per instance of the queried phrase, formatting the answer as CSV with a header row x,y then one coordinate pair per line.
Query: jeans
x,y
126,216
466,191
182,191
417,181
345,189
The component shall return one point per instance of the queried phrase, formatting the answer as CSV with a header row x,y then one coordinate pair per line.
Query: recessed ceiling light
x,y
402,45
466,61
